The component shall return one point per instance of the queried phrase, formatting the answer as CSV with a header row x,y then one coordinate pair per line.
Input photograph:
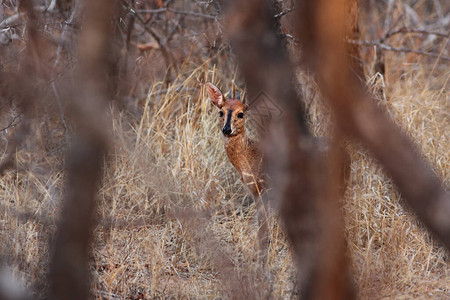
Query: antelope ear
x,y
214,94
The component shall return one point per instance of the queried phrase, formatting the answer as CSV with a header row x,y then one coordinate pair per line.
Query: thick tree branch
x,y
359,116
69,275
299,172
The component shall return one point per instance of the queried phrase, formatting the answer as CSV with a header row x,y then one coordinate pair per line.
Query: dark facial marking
x,y
230,112
227,128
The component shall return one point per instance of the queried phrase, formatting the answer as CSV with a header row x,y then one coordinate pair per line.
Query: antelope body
x,y
244,155
242,152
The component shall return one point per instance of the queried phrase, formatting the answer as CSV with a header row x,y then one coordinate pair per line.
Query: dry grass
x,y
393,256
171,169
175,221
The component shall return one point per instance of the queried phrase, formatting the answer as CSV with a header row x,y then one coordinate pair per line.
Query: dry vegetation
x,y
174,218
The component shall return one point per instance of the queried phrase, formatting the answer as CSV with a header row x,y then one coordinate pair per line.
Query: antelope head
x,y
231,111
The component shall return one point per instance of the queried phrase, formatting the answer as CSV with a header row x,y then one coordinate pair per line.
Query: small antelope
x,y
242,152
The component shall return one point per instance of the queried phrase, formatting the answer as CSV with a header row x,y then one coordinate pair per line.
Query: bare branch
x,y
152,11
394,49
8,160
10,21
416,31
193,14
12,123
167,55
283,13
175,11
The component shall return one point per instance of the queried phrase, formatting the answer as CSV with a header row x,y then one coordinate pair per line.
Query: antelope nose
x,y
226,130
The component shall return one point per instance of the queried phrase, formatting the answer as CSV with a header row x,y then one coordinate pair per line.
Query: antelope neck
x,y
236,148
236,142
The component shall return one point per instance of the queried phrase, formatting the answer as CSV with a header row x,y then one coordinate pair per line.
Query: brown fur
x,y
242,152
244,155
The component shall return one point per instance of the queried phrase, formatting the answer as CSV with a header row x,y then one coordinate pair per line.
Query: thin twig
x,y
17,139
168,57
194,14
180,12
414,30
10,21
12,124
395,49
152,11
282,13
166,4
289,37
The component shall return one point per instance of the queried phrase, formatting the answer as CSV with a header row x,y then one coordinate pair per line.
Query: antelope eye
x,y
240,115
221,113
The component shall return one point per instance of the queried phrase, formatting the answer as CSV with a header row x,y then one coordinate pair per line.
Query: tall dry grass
x,y
175,219
170,168
195,233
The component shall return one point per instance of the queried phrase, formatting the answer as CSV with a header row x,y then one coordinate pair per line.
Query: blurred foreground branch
x,y
69,276
322,30
294,163
299,171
